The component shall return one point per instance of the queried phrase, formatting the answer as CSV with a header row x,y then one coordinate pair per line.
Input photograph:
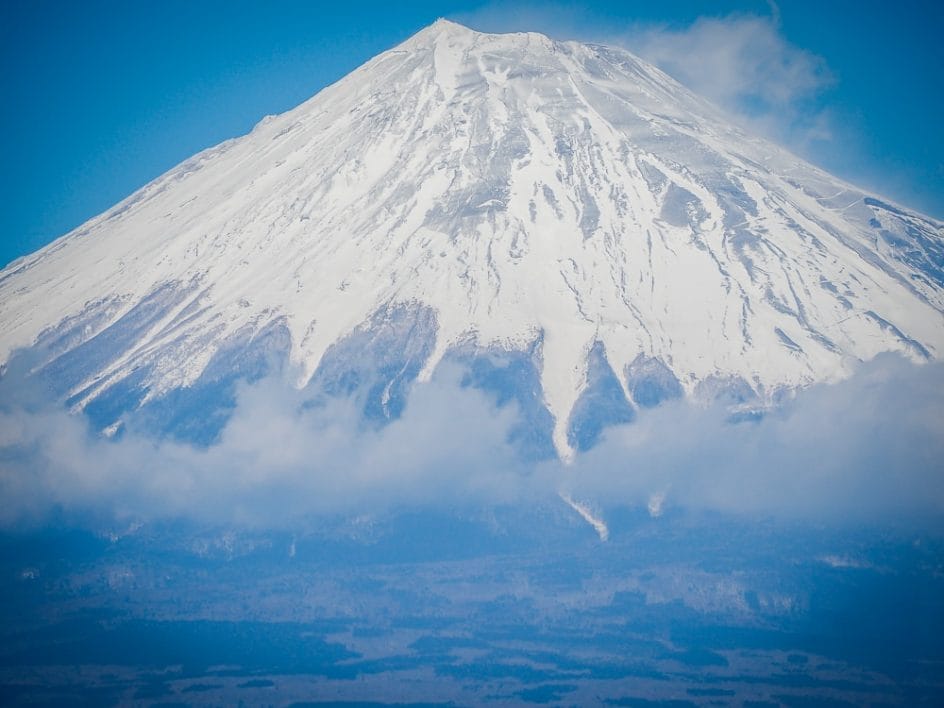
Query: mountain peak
x,y
565,203
439,28
444,25
461,35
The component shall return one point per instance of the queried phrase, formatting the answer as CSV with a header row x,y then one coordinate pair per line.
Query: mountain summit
x,y
553,210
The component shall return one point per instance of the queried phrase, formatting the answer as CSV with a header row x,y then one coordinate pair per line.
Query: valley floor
x,y
474,607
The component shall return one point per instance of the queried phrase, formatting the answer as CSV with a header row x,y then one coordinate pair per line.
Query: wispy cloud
x,y
743,64
740,62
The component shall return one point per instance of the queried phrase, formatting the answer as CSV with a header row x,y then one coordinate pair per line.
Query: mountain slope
x,y
497,193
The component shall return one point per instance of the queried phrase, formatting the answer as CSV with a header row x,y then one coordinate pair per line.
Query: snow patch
x,y
595,521
519,188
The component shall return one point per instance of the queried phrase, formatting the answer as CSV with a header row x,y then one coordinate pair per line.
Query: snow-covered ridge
x,y
526,191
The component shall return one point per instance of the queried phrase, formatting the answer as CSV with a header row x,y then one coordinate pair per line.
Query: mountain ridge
x,y
505,192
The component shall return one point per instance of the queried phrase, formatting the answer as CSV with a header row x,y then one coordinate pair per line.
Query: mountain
x,y
581,232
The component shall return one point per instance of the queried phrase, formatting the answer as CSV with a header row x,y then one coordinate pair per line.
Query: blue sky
x,y
101,97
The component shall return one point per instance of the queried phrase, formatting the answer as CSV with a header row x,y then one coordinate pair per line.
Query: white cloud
x,y
740,62
747,66
743,64
277,460
868,449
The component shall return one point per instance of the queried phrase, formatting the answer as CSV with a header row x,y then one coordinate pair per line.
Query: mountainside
x,y
583,232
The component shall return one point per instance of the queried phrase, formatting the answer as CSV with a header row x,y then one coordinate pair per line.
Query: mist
x,y
869,449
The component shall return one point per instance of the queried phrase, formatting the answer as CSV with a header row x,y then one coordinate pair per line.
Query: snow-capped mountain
x,y
562,215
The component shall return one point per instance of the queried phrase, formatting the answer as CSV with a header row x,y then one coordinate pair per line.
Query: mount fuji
x,y
584,234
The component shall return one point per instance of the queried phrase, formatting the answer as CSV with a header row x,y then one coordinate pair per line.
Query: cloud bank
x,y
278,459
869,449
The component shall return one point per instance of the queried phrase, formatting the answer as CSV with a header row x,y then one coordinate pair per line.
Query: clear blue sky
x,y
101,97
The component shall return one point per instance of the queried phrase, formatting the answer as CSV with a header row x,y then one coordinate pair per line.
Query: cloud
x,y
869,449
746,65
740,62
743,64
278,460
